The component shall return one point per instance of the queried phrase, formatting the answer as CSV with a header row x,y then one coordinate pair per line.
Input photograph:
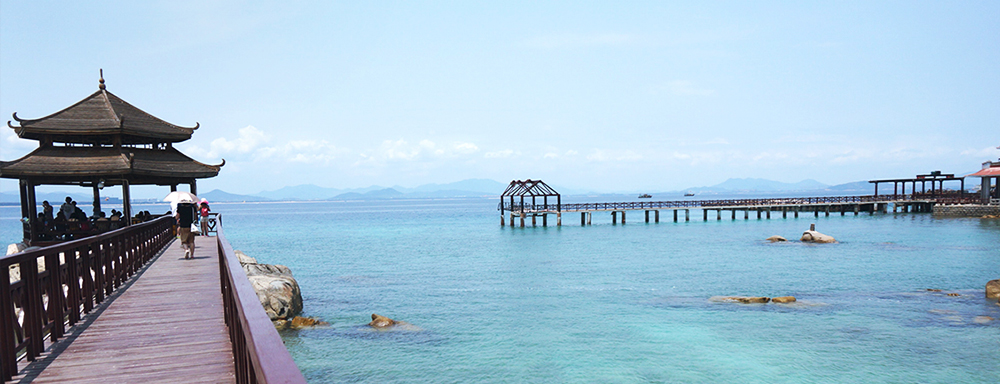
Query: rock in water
x,y
741,299
775,239
993,289
276,289
243,258
381,321
783,299
15,248
816,237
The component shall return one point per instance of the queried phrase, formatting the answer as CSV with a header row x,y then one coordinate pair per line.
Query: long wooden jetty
x,y
125,306
527,207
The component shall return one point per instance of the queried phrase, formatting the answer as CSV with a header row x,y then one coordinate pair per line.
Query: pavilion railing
x,y
944,198
258,351
74,277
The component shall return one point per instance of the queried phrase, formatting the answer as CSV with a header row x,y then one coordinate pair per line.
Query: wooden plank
x,y
168,327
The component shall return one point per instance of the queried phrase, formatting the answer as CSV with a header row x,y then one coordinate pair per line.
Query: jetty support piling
x,y
657,213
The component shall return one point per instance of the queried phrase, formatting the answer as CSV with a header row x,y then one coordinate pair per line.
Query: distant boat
x,y
689,194
645,196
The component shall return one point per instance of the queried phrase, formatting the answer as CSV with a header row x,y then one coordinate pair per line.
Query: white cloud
x,y
550,155
250,138
466,148
601,155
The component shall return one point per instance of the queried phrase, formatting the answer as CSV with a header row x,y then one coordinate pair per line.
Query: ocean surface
x,y
625,303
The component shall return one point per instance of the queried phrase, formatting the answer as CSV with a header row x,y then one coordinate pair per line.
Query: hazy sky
x,y
608,96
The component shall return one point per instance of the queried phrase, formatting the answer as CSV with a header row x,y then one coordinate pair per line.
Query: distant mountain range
x,y
479,188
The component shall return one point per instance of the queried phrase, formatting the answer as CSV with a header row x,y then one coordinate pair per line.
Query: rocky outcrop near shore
x,y
993,289
276,288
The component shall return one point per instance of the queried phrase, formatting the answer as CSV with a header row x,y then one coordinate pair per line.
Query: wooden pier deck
x,y
167,327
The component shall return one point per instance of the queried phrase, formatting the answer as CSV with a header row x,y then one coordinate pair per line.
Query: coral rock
x,y
775,239
993,289
381,321
783,299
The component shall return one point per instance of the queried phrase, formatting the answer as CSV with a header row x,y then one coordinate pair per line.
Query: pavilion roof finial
x,y
102,87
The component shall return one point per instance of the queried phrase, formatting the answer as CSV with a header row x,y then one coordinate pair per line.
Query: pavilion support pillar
x,y
984,190
173,188
194,187
97,200
126,203
32,211
657,214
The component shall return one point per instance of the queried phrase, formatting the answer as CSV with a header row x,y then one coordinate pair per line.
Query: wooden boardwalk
x,y
167,327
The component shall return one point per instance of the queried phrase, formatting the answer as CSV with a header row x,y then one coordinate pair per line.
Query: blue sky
x,y
633,96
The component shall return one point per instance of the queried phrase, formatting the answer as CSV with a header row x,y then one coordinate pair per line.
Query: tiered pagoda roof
x,y
104,137
100,117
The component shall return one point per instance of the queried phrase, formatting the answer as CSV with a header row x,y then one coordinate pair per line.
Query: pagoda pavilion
x,y
101,141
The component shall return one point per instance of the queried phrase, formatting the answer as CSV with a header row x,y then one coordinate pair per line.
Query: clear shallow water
x,y
627,303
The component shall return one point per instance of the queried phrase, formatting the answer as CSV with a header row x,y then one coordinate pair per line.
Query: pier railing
x,y
940,197
60,283
259,353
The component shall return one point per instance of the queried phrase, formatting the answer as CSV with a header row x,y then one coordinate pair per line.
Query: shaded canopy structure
x,y
990,175
530,188
935,178
102,141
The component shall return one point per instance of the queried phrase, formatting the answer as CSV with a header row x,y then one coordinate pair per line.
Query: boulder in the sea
x,y
775,239
381,321
816,237
300,322
952,294
276,289
783,299
15,248
933,290
741,299
993,289
243,258
281,324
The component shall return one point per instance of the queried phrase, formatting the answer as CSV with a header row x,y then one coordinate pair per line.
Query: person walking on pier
x,y
185,219
203,211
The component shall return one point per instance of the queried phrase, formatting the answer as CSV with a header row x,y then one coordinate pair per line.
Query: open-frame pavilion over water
x,y
100,141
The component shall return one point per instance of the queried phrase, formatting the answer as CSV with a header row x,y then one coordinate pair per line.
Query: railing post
x,y
8,357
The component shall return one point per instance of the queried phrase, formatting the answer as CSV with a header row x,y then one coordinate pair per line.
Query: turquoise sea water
x,y
626,303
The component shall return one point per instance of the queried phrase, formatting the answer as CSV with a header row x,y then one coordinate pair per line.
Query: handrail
x,y
258,352
78,275
727,203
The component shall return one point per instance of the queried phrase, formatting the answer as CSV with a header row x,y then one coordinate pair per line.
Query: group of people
x,y
70,220
189,213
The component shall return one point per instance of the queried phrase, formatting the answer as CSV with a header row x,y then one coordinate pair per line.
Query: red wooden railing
x,y
258,351
78,275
